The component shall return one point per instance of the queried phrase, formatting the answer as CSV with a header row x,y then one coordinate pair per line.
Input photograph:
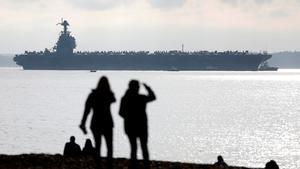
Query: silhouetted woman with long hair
x,y
99,100
88,149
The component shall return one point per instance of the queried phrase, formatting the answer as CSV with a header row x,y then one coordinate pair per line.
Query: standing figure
x,y
99,101
133,110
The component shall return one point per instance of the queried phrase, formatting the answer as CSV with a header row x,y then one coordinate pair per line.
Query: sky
x,y
253,25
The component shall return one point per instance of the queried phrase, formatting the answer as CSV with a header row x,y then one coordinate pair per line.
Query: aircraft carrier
x,y
63,57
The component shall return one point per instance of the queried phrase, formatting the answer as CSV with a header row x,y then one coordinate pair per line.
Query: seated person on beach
x,y
271,165
71,148
220,163
88,149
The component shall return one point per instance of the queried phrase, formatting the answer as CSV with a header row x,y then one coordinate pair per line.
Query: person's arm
x,y
87,110
225,165
66,149
151,96
122,108
113,99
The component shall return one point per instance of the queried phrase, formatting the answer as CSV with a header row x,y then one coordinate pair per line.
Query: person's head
x,y
134,86
88,143
271,165
103,84
220,159
72,139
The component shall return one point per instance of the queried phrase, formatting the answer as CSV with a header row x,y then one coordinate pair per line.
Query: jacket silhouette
x,y
99,100
133,110
71,148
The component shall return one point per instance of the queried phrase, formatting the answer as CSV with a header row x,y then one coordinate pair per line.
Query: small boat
x,y
265,67
173,69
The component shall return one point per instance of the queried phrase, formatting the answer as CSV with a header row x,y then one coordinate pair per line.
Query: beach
x,y
38,161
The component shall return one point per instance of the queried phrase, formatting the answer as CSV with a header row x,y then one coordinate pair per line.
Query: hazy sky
x,y
255,25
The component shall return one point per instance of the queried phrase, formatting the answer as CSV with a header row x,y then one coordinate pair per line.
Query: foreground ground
x,y
43,161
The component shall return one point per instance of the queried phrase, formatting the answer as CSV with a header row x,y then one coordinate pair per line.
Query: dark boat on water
x,y
265,67
63,57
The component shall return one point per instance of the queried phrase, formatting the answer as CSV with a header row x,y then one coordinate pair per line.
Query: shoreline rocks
x,y
46,161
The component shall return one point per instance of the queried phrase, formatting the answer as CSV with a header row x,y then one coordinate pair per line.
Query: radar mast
x,y
65,24
66,43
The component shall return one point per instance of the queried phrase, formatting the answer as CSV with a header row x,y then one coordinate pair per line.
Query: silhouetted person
x,y
99,101
221,163
88,149
133,110
71,148
271,165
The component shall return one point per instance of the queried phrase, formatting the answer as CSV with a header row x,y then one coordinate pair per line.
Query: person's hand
x,y
83,129
146,86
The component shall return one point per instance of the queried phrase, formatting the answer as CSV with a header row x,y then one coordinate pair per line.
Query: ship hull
x,y
169,62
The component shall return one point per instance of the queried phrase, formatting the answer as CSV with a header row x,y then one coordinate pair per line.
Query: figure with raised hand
x,y
133,110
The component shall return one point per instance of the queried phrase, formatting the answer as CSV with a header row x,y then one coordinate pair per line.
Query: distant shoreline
x,y
46,161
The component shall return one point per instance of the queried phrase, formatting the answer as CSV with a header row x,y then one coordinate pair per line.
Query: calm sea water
x,y
248,117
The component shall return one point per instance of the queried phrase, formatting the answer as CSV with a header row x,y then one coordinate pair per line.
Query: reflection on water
x,y
248,117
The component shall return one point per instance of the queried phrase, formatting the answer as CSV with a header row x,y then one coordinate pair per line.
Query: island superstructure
x,y
63,57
